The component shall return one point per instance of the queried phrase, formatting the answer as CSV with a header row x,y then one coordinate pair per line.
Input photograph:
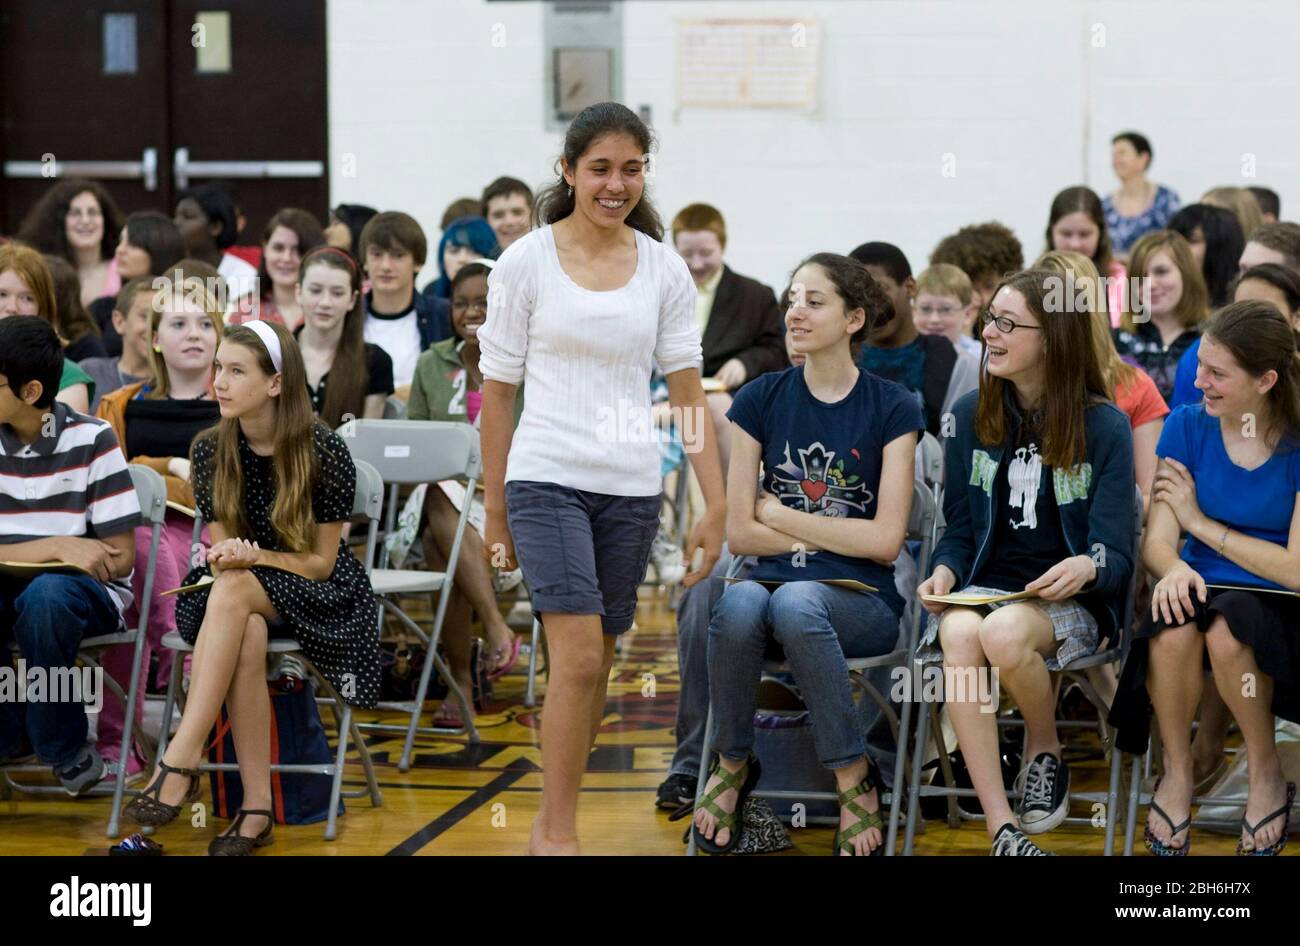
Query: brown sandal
x,y
232,844
148,808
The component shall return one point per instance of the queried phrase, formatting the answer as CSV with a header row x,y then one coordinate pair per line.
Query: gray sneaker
x,y
83,773
1011,842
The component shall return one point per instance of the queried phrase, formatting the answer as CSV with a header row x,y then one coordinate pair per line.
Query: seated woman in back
x,y
448,387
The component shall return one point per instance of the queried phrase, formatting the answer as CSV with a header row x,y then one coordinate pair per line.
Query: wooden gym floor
x,y
481,800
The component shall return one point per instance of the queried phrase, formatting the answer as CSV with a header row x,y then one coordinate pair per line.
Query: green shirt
x,y
440,382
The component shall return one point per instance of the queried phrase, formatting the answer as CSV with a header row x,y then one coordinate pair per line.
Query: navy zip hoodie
x,y
1095,500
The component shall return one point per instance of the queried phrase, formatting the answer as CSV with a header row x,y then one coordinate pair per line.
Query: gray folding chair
x,y
152,495
368,500
406,453
1077,673
394,408
922,526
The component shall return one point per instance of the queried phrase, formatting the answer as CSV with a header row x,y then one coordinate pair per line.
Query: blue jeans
x,y
48,617
817,626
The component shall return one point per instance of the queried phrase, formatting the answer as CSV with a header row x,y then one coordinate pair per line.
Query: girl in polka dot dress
x,y
275,486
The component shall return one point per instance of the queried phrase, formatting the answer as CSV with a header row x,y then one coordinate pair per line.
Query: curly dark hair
x,y
45,227
856,289
981,251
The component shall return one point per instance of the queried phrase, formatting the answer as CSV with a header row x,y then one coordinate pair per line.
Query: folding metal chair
x,y
409,452
152,495
1075,672
368,501
922,526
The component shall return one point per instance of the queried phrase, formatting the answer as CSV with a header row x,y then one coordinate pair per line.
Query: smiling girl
x,y
1040,499
347,377
275,486
156,421
1228,482
1163,319
289,235
581,307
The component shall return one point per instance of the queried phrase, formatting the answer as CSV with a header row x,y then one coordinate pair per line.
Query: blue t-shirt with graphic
x,y
1258,502
825,459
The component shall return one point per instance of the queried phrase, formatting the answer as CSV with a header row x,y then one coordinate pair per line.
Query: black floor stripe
x,y
630,789
458,812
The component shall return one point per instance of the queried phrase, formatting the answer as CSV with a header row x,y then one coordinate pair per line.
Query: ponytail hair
x,y
557,201
1261,339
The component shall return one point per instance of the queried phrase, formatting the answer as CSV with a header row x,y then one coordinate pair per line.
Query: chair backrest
x,y
931,459
394,408
415,451
151,492
369,499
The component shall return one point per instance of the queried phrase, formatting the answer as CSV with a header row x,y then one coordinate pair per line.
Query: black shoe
x,y
1011,842
675,791
1046,798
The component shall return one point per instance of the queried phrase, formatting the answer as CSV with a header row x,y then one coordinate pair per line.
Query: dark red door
x,y
150,95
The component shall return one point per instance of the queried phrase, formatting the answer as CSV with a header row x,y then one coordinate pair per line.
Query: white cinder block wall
x,y
1023,94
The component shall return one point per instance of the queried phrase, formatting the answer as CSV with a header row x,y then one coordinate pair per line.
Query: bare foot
x,y
1264,798
704,820
1174,796
540,845
866,841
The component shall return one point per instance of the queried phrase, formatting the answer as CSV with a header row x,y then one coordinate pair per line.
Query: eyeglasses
x,y
463,305
1005,325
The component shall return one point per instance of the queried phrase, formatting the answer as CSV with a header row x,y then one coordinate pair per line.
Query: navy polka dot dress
x,y
335,621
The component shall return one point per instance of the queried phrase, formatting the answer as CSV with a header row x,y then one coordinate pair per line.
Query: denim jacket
x,y
1095,500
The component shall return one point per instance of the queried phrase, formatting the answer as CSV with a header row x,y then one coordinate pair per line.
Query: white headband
x,y
269,339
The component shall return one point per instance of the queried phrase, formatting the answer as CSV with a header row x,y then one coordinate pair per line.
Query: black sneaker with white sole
x,y
1011,842
676,790
1045,801
83,773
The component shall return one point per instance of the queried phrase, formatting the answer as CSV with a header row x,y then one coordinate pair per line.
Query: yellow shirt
x,y
704,299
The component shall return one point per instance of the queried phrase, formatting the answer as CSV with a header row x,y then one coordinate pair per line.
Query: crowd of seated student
x,y
348,295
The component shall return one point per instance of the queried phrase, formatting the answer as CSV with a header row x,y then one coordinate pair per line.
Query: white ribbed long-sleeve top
x,y
585,358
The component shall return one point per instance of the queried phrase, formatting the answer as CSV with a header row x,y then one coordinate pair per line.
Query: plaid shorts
x,y
1072,625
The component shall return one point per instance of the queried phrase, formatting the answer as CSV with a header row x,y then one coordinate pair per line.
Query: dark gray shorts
x,y
581,552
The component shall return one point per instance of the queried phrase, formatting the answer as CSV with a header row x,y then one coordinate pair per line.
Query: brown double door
x,y
148,96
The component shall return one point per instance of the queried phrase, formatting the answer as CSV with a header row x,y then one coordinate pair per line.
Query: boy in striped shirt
x,y
65,495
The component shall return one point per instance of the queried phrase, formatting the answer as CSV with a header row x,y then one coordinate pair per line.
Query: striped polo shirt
x,y
73,480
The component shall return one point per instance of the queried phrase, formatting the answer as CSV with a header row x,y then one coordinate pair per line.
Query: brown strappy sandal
x,y
231,843
148,808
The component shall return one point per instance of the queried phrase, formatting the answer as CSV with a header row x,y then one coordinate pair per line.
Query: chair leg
x,y
1130,816
169,702
901,785
124,754
336,783
1112,798
945,767
530,696
914,783
376,796
702,777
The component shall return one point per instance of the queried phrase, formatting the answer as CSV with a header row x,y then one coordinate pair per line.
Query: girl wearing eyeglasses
x,y
1040,500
